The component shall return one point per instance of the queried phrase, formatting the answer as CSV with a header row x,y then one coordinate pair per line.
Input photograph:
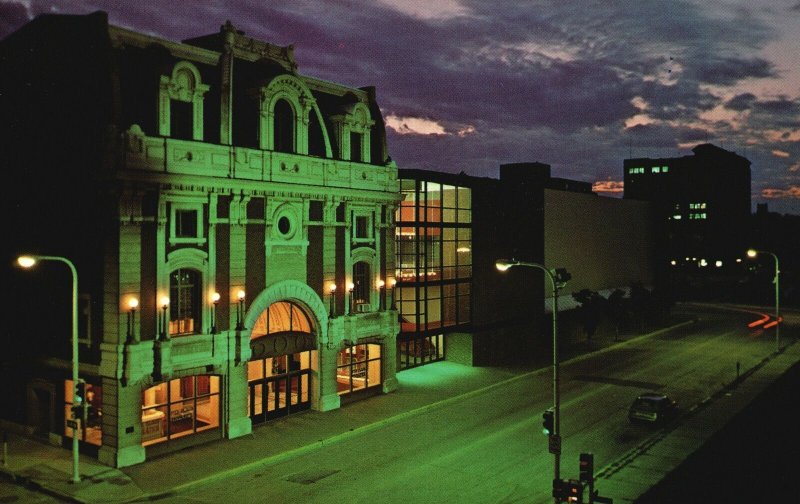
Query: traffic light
x,y
548,426
561,276
560,489
574,491
586,467
78,399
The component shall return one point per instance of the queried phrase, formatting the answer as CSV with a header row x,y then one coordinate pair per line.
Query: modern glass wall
x,y
434,266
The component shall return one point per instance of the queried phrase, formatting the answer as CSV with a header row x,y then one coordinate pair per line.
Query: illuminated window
x,y
664,169
279,385
180,407
281,316
185,302
358,368
656,169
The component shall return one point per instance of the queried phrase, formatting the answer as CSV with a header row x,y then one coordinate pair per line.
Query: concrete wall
x,y
603,242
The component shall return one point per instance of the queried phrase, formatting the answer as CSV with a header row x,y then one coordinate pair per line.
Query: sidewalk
x,y
48,468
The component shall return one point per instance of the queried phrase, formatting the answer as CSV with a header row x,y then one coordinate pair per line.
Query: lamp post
x,y
28,261
558,277
752,253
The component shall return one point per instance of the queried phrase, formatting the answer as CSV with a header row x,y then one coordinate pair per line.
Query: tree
x,y
591,309
616,309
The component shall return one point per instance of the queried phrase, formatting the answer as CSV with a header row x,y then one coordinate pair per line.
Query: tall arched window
x,y
361,282
185,302
284,127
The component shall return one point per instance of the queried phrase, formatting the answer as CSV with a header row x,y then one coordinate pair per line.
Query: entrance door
x,y
279,395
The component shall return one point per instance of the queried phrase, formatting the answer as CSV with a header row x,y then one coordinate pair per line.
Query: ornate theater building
x,y
231,222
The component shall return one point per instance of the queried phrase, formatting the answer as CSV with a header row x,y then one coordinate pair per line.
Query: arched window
x,y
283,316
185,302
284,127
361,283
181,103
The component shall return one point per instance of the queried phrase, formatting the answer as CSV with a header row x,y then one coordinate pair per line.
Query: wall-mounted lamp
x,y
332,292
240,310
164,306
392,284
380,284
133,303
214,300
350,287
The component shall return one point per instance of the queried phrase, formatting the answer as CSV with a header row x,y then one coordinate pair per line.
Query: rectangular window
x,y
186,223
656,169
362,222
181,407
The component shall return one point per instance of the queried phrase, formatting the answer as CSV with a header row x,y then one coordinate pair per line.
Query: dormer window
x,y
284,127
356,149
180,103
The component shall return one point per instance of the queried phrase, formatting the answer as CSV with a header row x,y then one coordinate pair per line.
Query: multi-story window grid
x,y
185,302
434,257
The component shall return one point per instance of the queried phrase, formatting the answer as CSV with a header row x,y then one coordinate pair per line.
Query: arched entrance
x,y
283,347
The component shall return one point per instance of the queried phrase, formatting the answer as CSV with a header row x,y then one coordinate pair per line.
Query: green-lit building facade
x,y
232,225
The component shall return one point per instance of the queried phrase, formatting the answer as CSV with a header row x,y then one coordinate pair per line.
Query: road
x,y
489,448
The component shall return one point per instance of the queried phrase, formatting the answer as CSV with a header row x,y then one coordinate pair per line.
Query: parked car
x,y
652,407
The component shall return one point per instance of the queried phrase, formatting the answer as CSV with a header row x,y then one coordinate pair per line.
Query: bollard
x,y
5,449
738,366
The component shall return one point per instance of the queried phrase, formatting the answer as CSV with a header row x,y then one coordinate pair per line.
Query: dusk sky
x,y
466,85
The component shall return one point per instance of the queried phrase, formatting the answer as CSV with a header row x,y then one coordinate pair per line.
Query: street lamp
x,y
28,261
558,278
752,253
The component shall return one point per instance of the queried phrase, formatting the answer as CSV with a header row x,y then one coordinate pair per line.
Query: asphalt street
x,y
754,459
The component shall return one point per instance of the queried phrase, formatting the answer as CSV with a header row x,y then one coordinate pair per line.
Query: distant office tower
x,y
701,202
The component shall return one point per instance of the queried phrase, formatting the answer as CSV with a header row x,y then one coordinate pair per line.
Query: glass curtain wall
x,y
434,267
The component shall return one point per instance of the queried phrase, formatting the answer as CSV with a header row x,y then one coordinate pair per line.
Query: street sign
x,y
555,444
73,424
